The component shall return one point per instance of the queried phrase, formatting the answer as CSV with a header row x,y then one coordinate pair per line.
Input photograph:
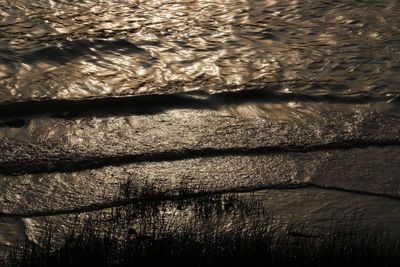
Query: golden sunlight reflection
x,y
156,126
103,48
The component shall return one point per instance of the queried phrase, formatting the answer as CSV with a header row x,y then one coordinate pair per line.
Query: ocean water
x,y
212,95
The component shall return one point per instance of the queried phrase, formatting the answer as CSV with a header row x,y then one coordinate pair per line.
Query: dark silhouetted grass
x,y
222,231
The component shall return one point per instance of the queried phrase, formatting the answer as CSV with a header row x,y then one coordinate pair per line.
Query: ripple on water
x,y
56,49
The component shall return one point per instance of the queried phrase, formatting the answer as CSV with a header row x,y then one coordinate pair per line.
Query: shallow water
x,y
222,95
308,211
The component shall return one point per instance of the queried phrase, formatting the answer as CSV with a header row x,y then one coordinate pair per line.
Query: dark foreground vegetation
x,y
205,230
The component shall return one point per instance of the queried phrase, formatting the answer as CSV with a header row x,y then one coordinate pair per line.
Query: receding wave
x,y
67,144
368,171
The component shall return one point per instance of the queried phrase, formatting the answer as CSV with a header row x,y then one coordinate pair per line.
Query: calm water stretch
x,y
300,96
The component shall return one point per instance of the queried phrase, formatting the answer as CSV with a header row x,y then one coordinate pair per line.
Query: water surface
x,y
81,49
222,95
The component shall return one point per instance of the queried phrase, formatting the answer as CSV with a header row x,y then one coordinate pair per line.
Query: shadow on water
x,y
67,51
158,103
